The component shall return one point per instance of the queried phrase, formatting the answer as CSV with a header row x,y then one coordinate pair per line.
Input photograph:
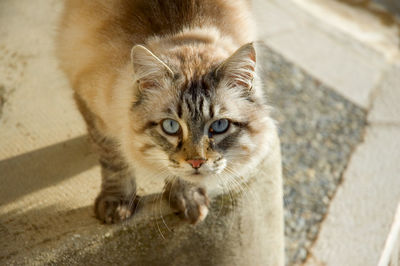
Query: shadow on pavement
x,y
26,173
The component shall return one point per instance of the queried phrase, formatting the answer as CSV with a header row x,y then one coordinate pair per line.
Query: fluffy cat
x,y
169,90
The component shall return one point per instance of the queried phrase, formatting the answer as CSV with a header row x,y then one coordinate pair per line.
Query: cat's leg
x,y
189,200
117,199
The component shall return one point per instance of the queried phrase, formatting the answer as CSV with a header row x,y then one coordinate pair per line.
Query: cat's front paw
x,y
189,200
112,209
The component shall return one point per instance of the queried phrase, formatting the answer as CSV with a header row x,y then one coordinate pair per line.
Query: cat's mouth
x,y
202,172
196,172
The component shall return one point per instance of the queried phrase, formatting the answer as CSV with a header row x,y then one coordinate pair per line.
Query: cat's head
x,y
195,117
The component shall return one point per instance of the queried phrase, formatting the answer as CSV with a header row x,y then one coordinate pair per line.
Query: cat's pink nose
x,y
196,163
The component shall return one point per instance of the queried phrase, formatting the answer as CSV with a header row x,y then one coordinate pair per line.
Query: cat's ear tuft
x,y
148,68
239,69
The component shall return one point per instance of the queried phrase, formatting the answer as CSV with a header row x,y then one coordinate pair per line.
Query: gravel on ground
x,y
319,130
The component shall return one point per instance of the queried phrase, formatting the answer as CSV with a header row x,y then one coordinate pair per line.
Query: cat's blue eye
x,y
219,126
170,126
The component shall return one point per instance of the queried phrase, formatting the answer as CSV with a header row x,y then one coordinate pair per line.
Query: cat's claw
x,y
189,200
112,209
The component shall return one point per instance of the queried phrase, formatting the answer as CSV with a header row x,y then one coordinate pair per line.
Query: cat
x,y
168,90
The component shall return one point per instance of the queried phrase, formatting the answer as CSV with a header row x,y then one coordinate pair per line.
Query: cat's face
x,y
201,127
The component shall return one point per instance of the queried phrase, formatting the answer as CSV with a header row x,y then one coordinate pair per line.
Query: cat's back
x,y
140,19
98,31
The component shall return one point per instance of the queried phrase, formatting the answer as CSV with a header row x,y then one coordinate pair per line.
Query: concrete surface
x,y
267,19
360,216
327,53
59,228
386,105
32,96
363,23
319,129
341,67
362,44
353,46
391,252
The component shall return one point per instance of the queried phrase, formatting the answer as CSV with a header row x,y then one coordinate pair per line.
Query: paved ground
x,y
319,129
333,78
354,49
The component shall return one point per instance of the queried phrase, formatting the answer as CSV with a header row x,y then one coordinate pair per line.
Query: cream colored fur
x,y
112,60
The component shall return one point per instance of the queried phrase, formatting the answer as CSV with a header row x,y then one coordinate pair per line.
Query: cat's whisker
x,y
225,190
159,200
173,180
159,230
156,159
161,171
243,189
221,202
132,199
233,201
155,217
231,196
250,191
242,184
130,205
237,186
237,155
160,211
234,175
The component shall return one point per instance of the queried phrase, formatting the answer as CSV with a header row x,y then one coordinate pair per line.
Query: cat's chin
x,y
203,173
196,177
205,176
196,174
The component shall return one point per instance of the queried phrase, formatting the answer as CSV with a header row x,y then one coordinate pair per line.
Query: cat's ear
x,y
148,68
239,69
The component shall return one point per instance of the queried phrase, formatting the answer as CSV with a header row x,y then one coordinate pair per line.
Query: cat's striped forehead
x,y
201,98
197,97
197,104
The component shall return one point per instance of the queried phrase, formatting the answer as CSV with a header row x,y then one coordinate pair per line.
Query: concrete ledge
x,y
345,47
363,210
385,107
244,227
